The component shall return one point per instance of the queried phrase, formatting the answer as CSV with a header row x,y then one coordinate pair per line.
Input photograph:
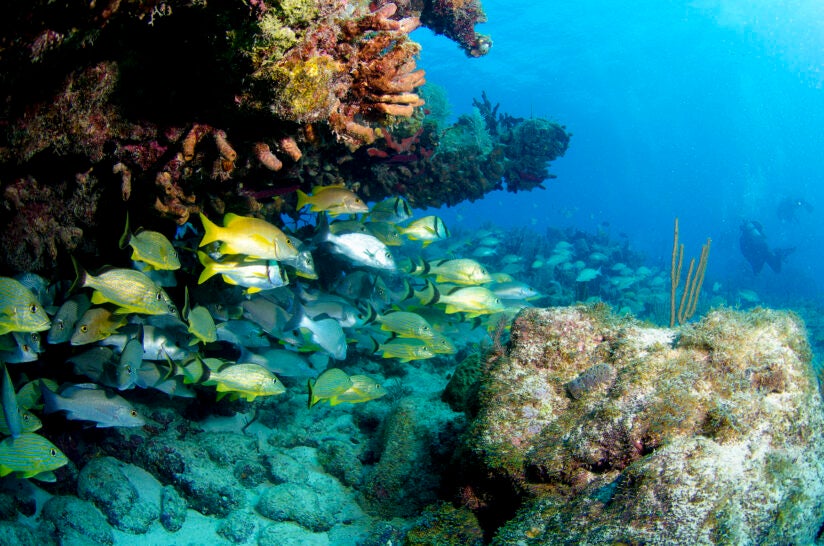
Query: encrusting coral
x,y
609,431
178,107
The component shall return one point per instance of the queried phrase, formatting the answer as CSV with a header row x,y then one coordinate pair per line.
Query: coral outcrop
x,y
612,432
166,109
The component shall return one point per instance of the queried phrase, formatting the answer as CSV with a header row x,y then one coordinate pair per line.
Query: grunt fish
x,y
427,230
67,316
391,210
363,389
331,382
29,455
19,309
245,380
334,200
131,290
90,402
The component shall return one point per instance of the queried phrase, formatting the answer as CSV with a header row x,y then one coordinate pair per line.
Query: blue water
x,y
711,111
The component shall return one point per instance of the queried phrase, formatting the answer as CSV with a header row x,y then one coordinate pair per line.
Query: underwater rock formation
x,y
170,108
613,432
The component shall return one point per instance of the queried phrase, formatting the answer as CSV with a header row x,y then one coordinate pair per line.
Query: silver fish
x,y
89,402
361,248
67,316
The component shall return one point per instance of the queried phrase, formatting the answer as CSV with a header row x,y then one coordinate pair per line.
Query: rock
x,y
304,494
461,393
75,521
302,505
290,534
21,534
612,431
407,476
226,448
172,509
209,488
340,459
238,527
445,525
103,482
8,507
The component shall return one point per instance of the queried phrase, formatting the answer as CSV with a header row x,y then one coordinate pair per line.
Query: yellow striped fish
x,y
245,380
19,309
332,382
29,455
406,349
131,290
427,229
363,389
406,324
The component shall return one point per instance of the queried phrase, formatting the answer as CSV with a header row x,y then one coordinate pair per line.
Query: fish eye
x,y
133,413
159,296
53,452
25,417
35,337
33,307
84,328
172,309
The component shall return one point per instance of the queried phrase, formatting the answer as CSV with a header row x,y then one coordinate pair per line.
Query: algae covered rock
x,y
445,525
208,487
614,432
103,482
20,534
304,494
238,527
414,439
172,509
290,534
76,521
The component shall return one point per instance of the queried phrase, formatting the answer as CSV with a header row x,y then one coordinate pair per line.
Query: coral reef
x,y
613,431
166,109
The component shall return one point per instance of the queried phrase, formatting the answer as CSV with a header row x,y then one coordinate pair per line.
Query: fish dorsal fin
x,y
318,189
231,218
126,237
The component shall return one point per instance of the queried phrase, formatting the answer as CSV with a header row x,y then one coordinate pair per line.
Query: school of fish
x,y
263,304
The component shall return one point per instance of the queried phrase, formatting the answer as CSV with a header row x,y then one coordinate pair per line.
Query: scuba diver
x,y
754,247
788,209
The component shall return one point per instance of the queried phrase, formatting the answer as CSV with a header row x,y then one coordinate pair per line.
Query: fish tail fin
x,y
80,276
430,294
408,290
50,402
11,409
312,399
303,199
322,232
211,231
124,239
209,267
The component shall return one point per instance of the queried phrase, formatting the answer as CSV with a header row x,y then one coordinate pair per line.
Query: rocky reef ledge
x,y
590,429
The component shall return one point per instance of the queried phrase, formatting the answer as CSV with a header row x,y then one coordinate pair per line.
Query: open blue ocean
x,y
709,111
